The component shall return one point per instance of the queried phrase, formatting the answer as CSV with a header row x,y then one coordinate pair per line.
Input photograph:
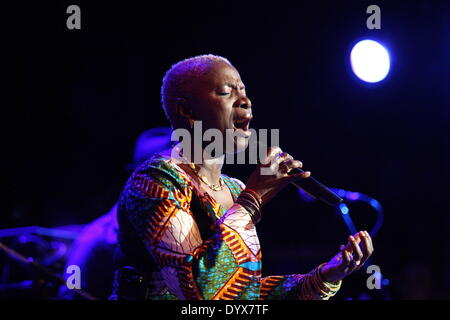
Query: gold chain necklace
x,y
214,187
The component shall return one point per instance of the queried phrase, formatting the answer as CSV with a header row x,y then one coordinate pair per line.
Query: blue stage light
x,y
370,61
344,209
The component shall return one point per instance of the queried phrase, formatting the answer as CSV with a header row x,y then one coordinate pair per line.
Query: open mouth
x,y
243,124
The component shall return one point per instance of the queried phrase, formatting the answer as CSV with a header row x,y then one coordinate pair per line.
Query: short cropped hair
x,y
178,75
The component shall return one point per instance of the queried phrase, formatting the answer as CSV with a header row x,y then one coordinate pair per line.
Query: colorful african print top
x,y
198,249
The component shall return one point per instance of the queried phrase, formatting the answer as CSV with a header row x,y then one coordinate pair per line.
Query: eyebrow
x,y
234,86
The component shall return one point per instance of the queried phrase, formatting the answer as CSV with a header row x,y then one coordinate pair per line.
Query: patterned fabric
x,y
200,250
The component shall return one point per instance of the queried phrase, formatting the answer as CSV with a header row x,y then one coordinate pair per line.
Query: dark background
x,y
87,94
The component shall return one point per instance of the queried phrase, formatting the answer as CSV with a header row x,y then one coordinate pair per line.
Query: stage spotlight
x,y
370,61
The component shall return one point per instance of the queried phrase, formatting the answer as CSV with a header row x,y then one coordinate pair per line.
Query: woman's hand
x,y
272,176
351,257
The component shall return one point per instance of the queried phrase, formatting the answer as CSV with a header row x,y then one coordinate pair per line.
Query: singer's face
x,y
219,100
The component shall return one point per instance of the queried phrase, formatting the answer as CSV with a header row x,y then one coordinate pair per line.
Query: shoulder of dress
x,y
157,161
159,165
160,172
236,181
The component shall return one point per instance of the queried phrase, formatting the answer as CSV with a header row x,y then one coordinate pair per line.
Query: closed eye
x,y
223,93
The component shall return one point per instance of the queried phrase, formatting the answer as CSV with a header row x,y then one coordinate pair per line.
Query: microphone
x,y
316,189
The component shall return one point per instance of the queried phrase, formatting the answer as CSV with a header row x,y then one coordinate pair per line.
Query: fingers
x,y
282,162
286,163
272,175
345,256
367,247
360,254
357,238
272,154
369,238
282,156
297,176
271,161
346,259
356,250
289,164
351,257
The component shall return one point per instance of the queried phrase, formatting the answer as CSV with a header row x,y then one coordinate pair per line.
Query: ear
x,y
182,108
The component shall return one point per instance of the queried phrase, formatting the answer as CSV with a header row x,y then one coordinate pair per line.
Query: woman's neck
x,y
211,169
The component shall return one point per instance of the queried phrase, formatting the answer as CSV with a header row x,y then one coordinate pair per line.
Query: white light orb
x,y
370,61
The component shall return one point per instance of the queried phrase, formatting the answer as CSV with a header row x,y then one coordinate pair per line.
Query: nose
x,y
245,103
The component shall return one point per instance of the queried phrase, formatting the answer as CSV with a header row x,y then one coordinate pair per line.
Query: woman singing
x,y
187,231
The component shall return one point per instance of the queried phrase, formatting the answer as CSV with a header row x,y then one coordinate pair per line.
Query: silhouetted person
x,y
93,250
